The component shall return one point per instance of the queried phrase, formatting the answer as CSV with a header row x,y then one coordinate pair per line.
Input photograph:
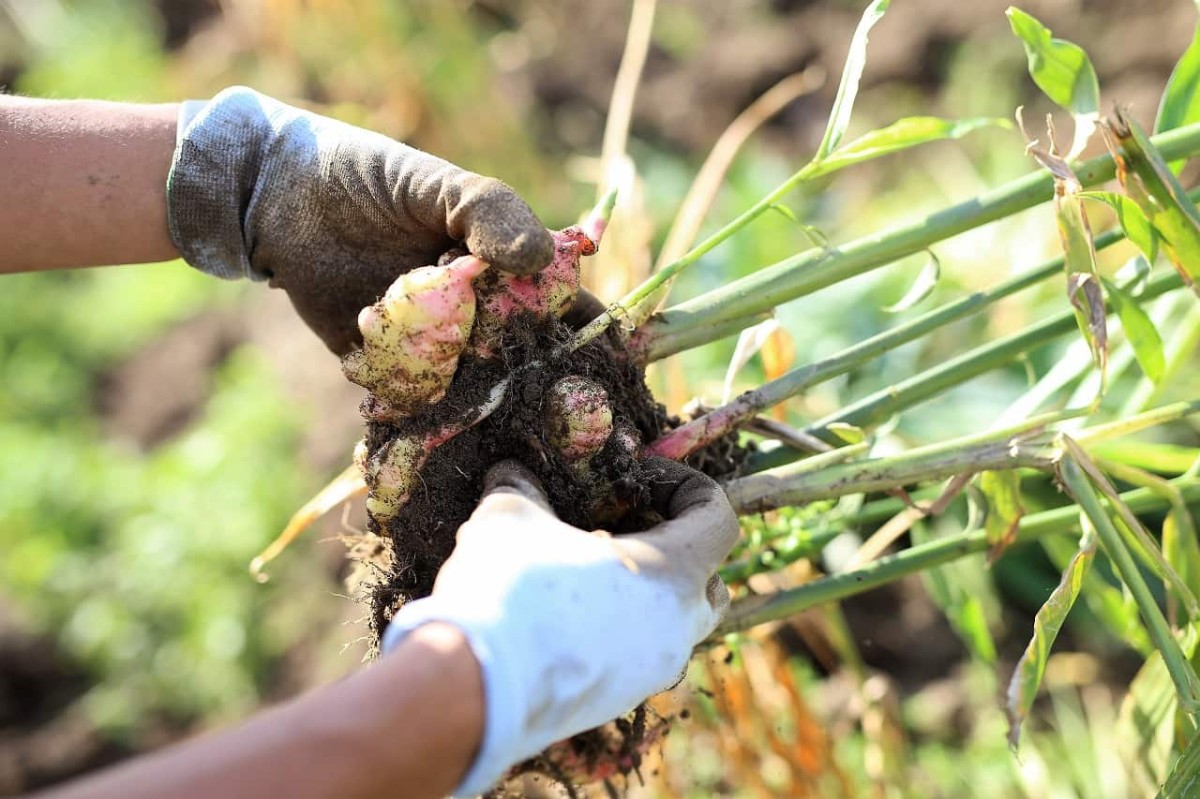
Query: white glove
x,y
572,629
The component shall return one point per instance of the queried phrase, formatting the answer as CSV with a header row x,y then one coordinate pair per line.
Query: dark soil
x,y
422,536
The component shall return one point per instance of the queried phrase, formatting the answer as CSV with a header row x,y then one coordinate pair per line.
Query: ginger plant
x,y
467,365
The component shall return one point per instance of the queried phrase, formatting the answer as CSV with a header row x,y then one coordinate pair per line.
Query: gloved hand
x,y
573,629
329,212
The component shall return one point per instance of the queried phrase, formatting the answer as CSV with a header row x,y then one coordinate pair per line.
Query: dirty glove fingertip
x,y
503,230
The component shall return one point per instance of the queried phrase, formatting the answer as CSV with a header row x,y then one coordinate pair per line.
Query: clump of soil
x,y
422,536
611,493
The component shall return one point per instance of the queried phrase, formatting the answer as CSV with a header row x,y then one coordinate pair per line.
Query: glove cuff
x,y
504,742
219,154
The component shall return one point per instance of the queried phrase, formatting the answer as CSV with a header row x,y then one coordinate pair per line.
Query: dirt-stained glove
x,y
329,212
573,629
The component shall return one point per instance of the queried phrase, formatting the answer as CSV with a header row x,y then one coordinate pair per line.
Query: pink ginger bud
x,y
596,223
552,291
413,336
504,296
578,418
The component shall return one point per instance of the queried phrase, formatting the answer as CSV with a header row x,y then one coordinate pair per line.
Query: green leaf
x,y
1063,71
1136,538
1149,719
1140,332
971,625
856,60
1180,103
1077,474
1149,455
1184,780
1148,180
954,590
1133,221
1003,493
1027,677
847,432
900,135
785,212
815,237
921,288
1180,547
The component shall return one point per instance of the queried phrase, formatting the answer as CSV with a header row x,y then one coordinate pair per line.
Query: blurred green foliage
x,y
136,561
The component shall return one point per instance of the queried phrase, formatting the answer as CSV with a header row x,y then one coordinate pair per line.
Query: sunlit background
x,y
158,427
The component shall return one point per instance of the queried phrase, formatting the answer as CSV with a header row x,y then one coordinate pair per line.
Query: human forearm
x,y
85,183
406,727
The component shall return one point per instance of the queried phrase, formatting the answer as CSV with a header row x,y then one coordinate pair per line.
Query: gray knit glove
x,y
329,212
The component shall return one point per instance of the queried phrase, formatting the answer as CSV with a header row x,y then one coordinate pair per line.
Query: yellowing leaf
x,y
343,488
749,342
778,353
1079,250
1083,284
1027,677
1149,182
1003,493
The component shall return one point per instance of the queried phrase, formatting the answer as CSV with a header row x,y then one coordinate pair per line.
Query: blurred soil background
x,y
158,427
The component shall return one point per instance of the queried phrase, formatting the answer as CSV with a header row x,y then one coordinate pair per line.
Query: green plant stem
x,y
749,612
798,483
883,509
878,406
628,304
647,350
907,393
817,268
1187,684
881,342
1137,537
722,420
1142,421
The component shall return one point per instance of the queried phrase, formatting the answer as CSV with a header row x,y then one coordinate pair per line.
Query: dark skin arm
x,y
406,727
85,183
87,187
